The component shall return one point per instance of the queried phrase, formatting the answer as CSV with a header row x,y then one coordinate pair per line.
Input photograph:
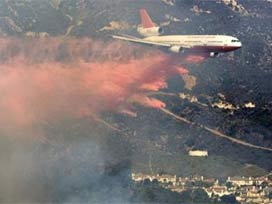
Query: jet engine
x,y
148,32
213,54
176,49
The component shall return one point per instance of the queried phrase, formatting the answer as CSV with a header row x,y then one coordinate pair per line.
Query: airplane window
x,y
234,40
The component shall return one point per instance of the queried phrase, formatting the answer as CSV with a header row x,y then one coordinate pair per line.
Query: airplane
x,y
208,45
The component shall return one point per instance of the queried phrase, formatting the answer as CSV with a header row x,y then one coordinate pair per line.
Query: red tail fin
x,y
146,20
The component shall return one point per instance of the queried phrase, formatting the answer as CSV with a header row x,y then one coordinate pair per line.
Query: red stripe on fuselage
x,y
214,48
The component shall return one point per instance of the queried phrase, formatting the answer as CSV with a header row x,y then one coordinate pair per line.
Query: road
x,y
214,132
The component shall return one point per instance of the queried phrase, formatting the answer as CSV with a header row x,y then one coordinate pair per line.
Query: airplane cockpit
x,y
235,42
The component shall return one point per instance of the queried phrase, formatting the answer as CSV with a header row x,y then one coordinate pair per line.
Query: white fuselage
x,y
202,43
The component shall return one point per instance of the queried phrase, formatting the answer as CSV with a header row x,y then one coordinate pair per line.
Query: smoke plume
x,y
45,79
48,87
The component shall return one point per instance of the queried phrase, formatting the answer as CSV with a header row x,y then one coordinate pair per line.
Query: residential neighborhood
x,y
245,189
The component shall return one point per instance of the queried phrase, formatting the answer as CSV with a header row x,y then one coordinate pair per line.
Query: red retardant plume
x,y
49,79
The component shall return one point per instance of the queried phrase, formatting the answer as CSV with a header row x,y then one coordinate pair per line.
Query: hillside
x,y
230,94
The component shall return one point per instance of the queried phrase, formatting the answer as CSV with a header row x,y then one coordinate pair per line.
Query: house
x,y
255,200
165,178
241,181
210,180
220,190
178,189
260,180
197,178
217,190
198,153
250,188
255,193
209,192
182,181
141,177
241,199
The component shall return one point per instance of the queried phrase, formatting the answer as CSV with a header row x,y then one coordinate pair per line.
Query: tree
x,y
146,182
229,199
155,182
270,195
264,184
229,185
153,193
200,196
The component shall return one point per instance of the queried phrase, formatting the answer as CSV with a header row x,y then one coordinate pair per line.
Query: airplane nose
x,y
239,44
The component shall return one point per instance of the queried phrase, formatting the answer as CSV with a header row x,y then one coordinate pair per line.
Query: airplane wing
x,y
147,42
139,40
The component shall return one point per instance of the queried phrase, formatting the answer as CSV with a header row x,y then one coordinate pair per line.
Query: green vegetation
x,y
151,192
229,199
184,165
